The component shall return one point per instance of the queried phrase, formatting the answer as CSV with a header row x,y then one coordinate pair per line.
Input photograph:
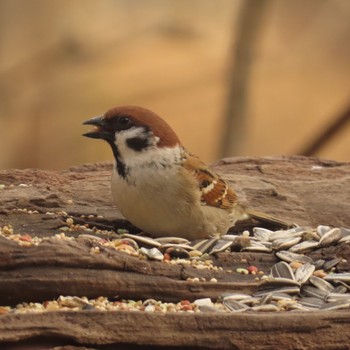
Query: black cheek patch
x,y
138,143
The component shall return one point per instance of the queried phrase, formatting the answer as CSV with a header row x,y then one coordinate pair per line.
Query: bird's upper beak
x,y
100,130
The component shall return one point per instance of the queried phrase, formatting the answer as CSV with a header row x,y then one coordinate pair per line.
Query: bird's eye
x,y
123,120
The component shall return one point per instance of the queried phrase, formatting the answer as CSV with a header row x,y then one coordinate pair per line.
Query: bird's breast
x,y
164,203
153,201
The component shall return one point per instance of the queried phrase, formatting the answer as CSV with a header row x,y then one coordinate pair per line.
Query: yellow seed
x,y
195,253
320,273
70,221
295,265
245,234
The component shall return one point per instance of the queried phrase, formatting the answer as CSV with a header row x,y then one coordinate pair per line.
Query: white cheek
x,y
120,141
152,155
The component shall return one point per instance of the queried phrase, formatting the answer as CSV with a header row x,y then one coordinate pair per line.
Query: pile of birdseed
x,y
296,282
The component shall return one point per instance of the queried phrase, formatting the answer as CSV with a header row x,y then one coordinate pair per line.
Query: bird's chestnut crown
x,y
119,119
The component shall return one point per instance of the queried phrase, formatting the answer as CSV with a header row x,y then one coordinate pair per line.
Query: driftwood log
x,y
307,191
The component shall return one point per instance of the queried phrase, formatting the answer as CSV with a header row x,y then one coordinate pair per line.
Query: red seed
x,y
253,270
186,307
167,257
25,238
3,310
185,302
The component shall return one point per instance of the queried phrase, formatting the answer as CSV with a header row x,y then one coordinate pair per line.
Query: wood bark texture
x,y
306,191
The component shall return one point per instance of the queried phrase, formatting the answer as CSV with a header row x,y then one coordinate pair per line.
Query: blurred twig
x,y
329,133
250,21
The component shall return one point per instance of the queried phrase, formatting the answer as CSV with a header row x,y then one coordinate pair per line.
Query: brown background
x,y
63,61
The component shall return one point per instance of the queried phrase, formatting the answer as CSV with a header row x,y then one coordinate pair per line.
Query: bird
x,y
159,186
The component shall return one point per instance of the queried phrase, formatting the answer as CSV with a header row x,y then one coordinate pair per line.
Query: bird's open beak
x,y
99,131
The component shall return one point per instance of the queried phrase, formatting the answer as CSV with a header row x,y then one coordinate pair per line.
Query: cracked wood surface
x,y
307,191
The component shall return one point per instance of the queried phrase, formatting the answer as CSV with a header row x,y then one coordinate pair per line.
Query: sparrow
x,y
158,185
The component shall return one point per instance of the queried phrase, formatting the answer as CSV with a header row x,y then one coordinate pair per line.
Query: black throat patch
x,y
120,165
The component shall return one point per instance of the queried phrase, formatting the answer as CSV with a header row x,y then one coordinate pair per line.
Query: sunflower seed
x,y
152,253
235,296
320,283
282,270
345,231
273,289
141,240
252,301
172,240
340,289
280,282
345,277
331,263
345,239
256,249
303,246
288,233
304,272
295,306
277,296
321,229
277,285
314,292
310,302
330,237
235,306
341,284
289,257
261,244
165,246
221,246
284,234
336,305
266,299
319,264
262,234
285,243
204,245
332,297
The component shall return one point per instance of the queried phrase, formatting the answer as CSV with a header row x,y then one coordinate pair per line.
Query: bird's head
x,y
134,127
132,131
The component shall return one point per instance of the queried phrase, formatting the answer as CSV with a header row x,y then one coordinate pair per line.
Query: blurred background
x,y
233,77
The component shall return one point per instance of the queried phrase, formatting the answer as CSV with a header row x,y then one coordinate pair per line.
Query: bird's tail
x,y
268,219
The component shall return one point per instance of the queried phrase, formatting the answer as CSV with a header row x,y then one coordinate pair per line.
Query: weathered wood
x,y
316,330
307,191
58,267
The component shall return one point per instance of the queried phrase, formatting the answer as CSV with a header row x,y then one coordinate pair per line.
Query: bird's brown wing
x,y
215,191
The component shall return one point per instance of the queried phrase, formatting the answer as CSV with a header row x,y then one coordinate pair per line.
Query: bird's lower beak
x,y
99,131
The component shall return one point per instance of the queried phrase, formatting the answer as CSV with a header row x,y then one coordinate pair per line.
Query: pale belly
x,y
150,207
